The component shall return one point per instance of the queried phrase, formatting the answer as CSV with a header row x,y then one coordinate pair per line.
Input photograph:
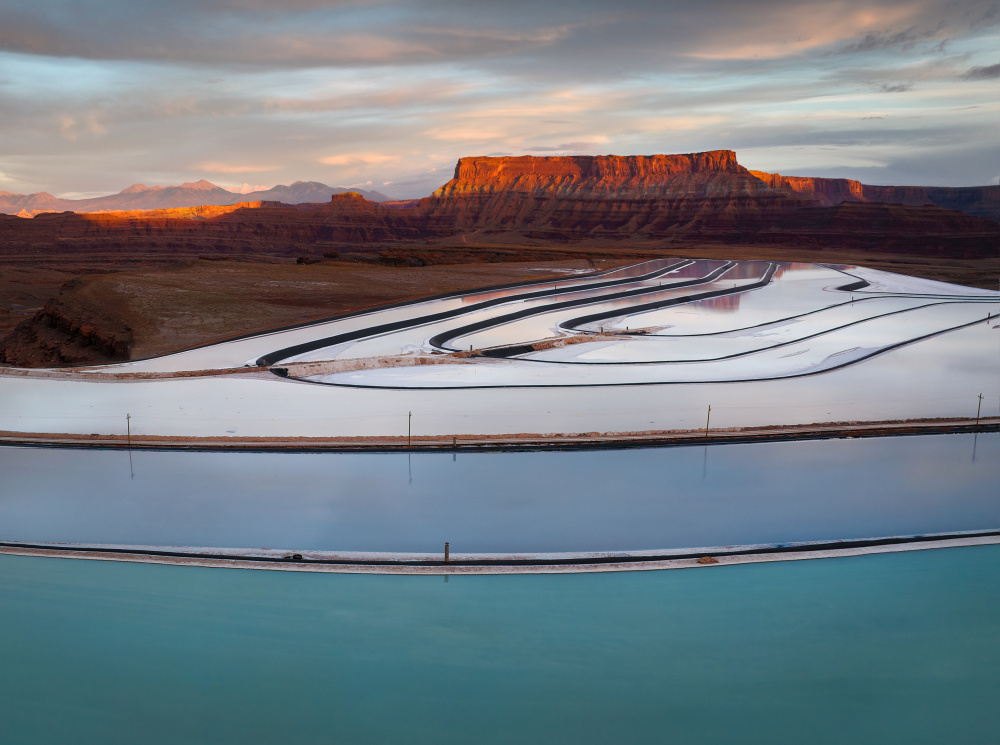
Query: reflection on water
x,y
750,270
499,502
721,304
795,288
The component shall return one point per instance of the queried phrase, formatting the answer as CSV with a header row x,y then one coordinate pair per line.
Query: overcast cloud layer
x,y
387,95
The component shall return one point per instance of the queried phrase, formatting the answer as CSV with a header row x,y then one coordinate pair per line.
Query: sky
x,y
388,94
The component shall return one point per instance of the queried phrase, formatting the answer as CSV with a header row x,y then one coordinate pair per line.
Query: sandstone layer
x,y
980,201
607,196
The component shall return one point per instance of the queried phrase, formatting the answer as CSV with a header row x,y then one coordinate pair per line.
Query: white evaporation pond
x,y
546,325
809,356
655,348
412,338
889,282
795,289
938,377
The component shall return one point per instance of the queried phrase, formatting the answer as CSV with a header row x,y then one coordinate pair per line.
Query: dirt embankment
x,y
79,327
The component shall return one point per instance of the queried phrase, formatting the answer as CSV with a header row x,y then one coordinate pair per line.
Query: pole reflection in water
x,y
584,500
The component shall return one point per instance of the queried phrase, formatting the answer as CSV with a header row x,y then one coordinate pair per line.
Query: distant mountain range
x,y
141,197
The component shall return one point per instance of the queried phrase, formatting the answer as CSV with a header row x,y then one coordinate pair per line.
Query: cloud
x,y
247,188
468,132
896,87
216,167
580,145
358,159
345,34
905,39
71,127
983,73
807,27
626,35
100,95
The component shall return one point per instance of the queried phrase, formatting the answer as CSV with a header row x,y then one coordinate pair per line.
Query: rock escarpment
x,y
631,176
604,196
705,197
823,191
979,201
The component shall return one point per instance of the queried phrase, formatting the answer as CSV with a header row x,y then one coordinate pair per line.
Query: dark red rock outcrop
x,y
824,191
980,201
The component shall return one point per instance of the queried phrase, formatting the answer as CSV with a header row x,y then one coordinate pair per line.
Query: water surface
x,y
897,648
632,499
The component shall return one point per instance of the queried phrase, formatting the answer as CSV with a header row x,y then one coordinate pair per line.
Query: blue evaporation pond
x,y
895,648
630,499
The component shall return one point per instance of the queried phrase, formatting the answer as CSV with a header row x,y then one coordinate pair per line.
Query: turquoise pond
x,y
896,648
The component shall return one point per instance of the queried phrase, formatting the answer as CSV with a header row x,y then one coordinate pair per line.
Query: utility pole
x,y
409,429
979,408
128,425
708,419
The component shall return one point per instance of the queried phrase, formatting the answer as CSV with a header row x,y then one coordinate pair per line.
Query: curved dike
x,y
271,357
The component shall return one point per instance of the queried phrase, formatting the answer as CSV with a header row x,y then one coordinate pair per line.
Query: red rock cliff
x,y
981,201
606,175
575,197
826,191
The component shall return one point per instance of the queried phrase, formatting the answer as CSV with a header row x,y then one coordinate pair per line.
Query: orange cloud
x,y
358,159
803,29
216,167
